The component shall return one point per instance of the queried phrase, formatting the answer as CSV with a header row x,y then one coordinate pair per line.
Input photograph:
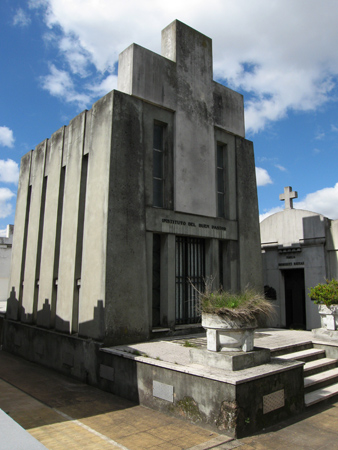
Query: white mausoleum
x,y
299,250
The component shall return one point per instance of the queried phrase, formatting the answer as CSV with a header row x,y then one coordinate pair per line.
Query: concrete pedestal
x,y
230,360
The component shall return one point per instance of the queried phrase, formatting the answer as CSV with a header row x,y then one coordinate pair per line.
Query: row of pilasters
x,y
50,286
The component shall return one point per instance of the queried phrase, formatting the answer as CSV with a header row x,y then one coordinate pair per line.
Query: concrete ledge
x,y
323,333
13,436
229,360
212,373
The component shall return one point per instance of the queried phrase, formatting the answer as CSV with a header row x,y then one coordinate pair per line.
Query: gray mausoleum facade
x,y
152,187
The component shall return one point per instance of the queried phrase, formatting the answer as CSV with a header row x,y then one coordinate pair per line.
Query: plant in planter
x,y
326,297
230,319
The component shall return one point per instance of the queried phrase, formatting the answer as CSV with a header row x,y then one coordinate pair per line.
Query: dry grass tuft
x,y
248,305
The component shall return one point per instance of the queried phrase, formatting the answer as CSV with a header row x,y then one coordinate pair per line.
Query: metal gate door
x,y
190,265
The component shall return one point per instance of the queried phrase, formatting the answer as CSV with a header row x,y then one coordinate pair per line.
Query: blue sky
x,y
59,56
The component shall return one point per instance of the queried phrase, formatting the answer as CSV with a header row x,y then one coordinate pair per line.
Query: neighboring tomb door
x,y
295,315
190,273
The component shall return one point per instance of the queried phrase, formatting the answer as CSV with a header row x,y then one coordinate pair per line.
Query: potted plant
x,y
326,297
231,318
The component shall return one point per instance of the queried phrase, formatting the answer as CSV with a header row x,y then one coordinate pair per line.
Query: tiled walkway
x,y
65,414
62,413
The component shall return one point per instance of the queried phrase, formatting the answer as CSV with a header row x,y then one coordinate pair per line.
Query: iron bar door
x,y
190,271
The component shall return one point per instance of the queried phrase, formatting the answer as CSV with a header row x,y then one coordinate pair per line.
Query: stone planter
x,y
228,335
328,317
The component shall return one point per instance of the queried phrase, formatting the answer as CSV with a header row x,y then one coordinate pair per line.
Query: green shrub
x,y
325,294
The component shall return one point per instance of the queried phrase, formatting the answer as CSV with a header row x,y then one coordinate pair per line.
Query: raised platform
x,y
166,375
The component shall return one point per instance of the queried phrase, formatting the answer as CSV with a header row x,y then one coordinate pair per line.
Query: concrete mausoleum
x,y
152,187
300,250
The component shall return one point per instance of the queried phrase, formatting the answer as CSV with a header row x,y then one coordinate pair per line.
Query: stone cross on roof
x,y
288,195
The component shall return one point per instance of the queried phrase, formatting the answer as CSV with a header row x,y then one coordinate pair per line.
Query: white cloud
x,y
75,55
106,85
282,53
6,137
9,171
324,201
281,168
60,84
262,177
5,206
21,18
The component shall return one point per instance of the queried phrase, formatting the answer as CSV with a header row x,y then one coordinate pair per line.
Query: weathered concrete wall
x,y
235,409
126,309
185,85
250,395
228,110
250,270
32,260
147,75
67,354
98,142
46,306
291,226
5,262
332,250
61,216
194,167
19,239
66,319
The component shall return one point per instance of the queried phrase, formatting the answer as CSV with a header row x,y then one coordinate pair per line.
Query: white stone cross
x,y
288,195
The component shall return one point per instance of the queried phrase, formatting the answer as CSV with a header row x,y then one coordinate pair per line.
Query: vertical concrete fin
x,y
248,217
19,238
29,298
72,159
98,144
45,307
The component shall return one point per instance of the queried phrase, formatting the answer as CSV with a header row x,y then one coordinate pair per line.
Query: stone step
x,y
321,394
290,348
320,380
305,355
319,365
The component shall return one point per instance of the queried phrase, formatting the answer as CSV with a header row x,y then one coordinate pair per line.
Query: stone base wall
x,y
237,410
67,354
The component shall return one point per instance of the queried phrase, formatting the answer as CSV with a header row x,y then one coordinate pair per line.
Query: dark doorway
x,y
295,315
190,271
